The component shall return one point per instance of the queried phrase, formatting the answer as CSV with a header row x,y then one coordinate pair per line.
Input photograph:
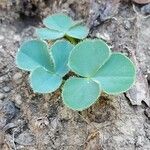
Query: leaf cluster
x,y
60,25
97,69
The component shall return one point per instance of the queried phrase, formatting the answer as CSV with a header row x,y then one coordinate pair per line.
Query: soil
x,y
30,121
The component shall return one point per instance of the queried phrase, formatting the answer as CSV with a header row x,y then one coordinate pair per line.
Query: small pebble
x,y
2,96
4,78
1,79
18,100
104,36
16,37
127,24
6,89
17,77
1,37
40,123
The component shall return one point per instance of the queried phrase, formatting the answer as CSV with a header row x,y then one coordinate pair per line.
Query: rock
x,y
4,78
40,123
103,11
9,126
54,124
104,36
1,37
25,138
17,38
2,96
109,9
146,9
140,91
127,24
120,124
8,109
18,100
6,89
17,77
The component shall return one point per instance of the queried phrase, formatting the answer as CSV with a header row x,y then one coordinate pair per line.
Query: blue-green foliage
x,y
97,68
100,69
60,25
46,66
34,53
43,81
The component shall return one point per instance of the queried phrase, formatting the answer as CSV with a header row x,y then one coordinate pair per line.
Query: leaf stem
x,y
72,40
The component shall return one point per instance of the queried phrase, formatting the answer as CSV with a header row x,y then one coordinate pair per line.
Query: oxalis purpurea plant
x,y
96,68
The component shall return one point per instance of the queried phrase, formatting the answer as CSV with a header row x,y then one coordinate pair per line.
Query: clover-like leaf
x,y
60,51
92,58
47,66
88,56
58,21
59,25
117,75
113,73
43,81
78,31
80,93
33,54
45,33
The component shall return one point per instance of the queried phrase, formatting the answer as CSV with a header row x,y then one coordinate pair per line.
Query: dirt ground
x,y
31,121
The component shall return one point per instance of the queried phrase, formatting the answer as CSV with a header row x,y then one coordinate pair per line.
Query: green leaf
x,y
60,52
80,93
48,34
33,54
59,25
88,56
59,21
43,81
78,31
116,75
